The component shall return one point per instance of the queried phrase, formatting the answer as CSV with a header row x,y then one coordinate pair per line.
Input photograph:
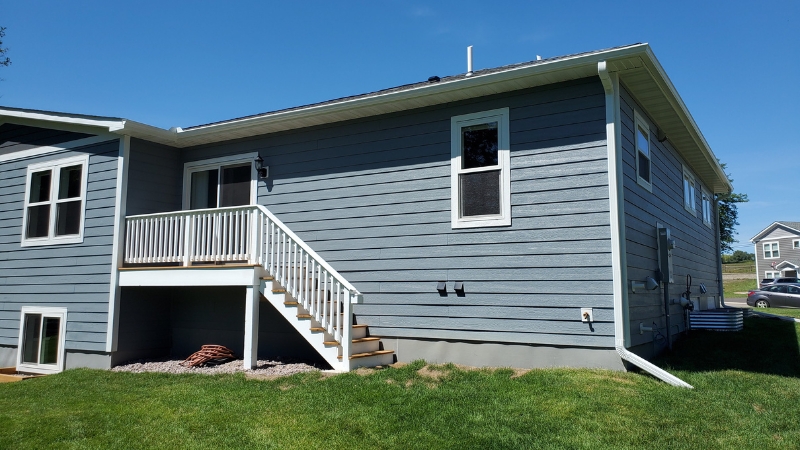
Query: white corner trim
x,y
37,151
619,265
193,166
117,251
618,249
501,115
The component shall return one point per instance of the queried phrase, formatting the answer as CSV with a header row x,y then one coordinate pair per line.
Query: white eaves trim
x,y
769,228
517,77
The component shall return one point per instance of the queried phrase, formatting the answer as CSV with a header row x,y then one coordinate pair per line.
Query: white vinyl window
x,y
689,192
480,170
771,250
642,142
55,202
796,244
708,208
771,274
220,182
42,334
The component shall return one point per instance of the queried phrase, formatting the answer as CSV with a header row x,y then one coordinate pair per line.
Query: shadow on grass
x,y
764,346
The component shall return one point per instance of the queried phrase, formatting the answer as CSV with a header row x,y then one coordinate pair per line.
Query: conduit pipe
x,y
611,86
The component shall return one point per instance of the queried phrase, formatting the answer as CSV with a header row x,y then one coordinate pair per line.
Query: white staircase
x,y
365,350
302,286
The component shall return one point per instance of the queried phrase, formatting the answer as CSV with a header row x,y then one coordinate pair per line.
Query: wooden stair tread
x,y
267,278
290,303
354,341
279,291
368,354
354,326
304,316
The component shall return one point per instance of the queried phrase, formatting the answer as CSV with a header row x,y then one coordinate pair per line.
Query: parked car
x,y
776,295
785,280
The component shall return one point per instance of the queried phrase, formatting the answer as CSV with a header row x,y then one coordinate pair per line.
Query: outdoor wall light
x,y
441,286
261,169
459,287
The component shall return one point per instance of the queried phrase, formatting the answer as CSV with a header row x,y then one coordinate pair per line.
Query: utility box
x,y
665,246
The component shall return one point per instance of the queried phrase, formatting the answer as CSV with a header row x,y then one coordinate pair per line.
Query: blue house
x,y
529,215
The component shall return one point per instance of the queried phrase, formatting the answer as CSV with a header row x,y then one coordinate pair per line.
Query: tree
x,y
728,216
4,60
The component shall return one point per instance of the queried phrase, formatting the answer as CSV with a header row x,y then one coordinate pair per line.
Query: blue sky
x,y
736,64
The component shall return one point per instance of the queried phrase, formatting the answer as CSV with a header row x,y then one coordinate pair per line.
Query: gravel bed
x,y
265,367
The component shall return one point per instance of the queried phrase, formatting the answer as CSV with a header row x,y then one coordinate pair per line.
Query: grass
x,y
747,386
742,267
731,287
789,312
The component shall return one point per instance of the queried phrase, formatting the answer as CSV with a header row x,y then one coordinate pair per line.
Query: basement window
x,y
642,142
480,170
55,200
41,340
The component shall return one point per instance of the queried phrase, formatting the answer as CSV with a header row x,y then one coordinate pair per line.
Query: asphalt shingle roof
x,y
410,86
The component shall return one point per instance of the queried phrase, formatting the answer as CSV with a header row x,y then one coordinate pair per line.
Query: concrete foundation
x,y
489,354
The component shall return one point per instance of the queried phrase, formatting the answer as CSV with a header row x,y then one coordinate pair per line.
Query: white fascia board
x,y
200,276
580,61
45,116
665,84
86,124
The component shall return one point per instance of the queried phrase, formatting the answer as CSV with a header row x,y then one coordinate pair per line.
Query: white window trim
x,y
771,252
709,204
795,243
775,274
195,166
62,338
504,162
640,122
54,166
691,207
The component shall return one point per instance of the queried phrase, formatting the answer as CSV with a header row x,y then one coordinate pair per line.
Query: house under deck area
x,y
236,277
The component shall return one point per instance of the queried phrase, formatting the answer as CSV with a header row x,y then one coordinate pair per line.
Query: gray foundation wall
x,y
494,354
72,360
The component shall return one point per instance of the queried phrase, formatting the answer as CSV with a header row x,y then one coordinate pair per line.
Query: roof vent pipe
x,y
469,61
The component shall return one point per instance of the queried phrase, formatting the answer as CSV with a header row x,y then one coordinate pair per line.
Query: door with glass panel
x,y
41,340
220,185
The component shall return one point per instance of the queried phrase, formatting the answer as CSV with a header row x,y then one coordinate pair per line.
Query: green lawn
x,y
743,267
747,388
730,287
790,312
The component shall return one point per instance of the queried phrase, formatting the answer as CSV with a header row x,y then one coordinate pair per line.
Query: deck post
x,y
251,327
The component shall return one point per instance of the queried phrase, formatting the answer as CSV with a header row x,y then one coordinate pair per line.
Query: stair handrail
x,y
318,259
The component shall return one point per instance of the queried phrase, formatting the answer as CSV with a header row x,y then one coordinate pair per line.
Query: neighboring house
x,y
777,250
507,217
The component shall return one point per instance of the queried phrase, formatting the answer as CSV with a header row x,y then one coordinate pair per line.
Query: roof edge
x,y
770,227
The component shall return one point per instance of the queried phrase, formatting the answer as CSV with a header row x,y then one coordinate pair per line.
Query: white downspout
x,y
618,260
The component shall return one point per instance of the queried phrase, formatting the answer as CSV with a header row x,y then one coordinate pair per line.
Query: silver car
x,y
777,295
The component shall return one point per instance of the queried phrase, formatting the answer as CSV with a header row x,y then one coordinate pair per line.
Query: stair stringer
x,y
303,326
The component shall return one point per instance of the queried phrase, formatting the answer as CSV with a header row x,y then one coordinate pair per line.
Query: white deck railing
x,y
249,234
